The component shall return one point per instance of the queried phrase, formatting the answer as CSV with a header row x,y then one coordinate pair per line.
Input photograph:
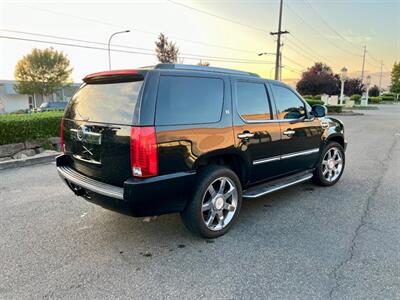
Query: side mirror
x,y
319,111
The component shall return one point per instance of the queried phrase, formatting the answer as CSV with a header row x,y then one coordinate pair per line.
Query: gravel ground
x,y
306,242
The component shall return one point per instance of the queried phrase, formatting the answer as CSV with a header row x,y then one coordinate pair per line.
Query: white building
x,y
12,101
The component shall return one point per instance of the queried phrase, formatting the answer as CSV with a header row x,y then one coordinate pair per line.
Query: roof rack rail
x,y
203,69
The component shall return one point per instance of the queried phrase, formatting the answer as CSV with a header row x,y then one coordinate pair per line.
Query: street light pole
x,y
267,53
343,76
109,48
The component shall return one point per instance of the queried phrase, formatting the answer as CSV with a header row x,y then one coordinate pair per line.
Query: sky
x,y
225,33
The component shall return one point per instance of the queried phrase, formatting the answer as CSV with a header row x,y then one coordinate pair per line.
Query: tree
x,y
167,52
42,72
203,63
319,79
395,79
374,91
353,86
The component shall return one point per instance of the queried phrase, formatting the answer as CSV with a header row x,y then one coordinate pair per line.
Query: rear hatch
x,y
97,125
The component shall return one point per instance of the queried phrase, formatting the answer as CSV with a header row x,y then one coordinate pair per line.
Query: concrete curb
x,y
45,157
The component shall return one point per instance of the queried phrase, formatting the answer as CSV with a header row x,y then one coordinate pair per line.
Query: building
x,y
12,101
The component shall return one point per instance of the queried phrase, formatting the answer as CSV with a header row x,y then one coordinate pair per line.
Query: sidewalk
x,y
44,157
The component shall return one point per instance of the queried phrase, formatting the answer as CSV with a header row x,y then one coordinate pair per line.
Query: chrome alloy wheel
x,y
332,164
219,203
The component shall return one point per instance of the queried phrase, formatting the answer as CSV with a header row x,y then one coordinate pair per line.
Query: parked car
x,y
194,140
51,106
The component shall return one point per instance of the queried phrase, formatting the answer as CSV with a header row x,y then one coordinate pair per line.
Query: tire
x,y
330,166
208,203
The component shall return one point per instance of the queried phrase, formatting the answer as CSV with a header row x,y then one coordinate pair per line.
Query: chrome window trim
x,y
269,101
285,156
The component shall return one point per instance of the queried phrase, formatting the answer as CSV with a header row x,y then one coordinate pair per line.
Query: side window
x,y
252,101
189,100
289,106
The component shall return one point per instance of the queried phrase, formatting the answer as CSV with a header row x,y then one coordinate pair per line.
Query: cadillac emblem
x,y
80,133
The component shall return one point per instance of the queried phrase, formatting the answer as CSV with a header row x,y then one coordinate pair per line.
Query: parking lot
x,y
306,242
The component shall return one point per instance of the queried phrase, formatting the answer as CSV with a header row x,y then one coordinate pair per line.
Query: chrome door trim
x,y
300,153
285,156
266,160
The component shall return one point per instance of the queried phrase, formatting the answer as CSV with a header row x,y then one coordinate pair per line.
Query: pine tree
x,y
167,52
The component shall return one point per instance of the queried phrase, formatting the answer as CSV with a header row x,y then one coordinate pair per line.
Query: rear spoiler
x,y
114,76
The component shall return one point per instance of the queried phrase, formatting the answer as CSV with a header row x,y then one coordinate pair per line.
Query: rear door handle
x,y
289,132
245,135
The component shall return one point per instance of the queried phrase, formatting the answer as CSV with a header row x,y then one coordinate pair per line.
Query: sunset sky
x,y
225,33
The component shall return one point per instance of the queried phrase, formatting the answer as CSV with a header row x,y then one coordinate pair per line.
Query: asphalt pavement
x,y
306,242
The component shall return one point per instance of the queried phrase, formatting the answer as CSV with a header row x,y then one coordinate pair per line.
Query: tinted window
x,y
189,100
289,106
106,103
252,101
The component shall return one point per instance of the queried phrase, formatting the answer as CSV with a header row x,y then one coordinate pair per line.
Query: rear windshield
x,y
105,103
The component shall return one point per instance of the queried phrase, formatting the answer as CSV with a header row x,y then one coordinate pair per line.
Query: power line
x,y
95,21
302,54
217,16
306,49
319,32
292,70
120,46
330,27
294,62
188,56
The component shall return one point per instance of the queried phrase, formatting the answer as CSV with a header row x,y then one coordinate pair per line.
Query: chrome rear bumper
x,y
72,176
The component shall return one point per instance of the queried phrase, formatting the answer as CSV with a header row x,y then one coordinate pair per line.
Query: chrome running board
x,y
270,187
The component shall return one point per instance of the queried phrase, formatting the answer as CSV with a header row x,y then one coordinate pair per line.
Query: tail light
x,y
144,161
62,135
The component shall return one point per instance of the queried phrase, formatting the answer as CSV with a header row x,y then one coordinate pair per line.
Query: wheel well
x,y
232,161
337,139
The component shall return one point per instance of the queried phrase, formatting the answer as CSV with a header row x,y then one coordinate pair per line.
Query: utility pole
x,y
280,66
278,42
363,64
380,78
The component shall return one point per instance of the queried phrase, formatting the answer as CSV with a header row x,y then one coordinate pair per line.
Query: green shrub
x,y
335,108
355,97
308,97
388,98
375,99
17,128
390,94
314,102
317,97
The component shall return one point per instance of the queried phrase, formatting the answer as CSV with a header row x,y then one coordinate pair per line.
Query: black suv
x,y
194,140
